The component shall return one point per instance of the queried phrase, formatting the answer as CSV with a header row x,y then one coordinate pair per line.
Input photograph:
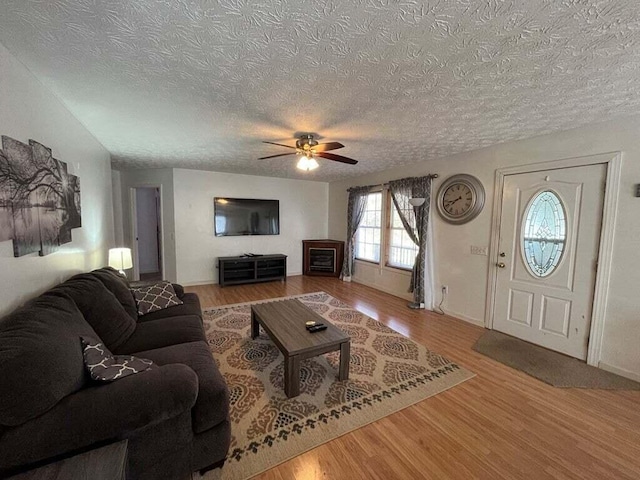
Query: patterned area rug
x,y
388,372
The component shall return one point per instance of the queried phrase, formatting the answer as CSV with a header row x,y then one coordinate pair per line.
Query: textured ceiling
x,y
198,84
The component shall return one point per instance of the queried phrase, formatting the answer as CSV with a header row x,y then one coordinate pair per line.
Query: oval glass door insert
x,y
544,233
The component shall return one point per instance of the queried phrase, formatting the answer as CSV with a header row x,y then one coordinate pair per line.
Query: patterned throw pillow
x,y
150,298
105,367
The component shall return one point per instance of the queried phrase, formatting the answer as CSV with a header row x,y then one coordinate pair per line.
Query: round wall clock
x,y
460,198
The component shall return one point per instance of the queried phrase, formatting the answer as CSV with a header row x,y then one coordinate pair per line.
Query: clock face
x,y
457,199
460,199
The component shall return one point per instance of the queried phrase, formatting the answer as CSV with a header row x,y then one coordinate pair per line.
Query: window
x,y
402,250
369,235
395,241
544,233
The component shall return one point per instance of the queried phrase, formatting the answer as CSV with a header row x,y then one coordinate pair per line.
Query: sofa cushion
x,y
99,307
40,357
163,333
212,405
190,306
119,286
154,297
103,366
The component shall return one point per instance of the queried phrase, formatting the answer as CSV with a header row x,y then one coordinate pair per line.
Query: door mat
x,y
551,367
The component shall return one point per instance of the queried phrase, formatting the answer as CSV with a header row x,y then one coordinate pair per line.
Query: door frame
x,y
613,161
133,217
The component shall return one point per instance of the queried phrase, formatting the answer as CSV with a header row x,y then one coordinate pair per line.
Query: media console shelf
x,y
243,269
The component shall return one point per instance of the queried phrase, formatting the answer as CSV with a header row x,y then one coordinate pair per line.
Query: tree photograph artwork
x,y
39,198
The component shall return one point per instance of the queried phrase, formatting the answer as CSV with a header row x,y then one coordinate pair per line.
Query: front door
x,y
548,253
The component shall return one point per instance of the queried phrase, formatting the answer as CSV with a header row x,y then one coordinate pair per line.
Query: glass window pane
x,y
544,233
402,250
368,235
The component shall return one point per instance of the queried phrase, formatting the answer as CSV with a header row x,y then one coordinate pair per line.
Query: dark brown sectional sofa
x,y
175,417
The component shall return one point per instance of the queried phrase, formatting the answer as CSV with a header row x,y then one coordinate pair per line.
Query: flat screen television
x,y
246,216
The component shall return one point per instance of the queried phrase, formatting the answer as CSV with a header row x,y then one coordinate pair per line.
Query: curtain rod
x,y
431,175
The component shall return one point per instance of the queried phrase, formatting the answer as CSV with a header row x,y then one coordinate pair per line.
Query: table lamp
x,y
120,259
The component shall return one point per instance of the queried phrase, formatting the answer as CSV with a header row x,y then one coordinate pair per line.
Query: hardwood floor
x,y
501,424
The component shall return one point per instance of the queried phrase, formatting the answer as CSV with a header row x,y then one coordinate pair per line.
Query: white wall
x,y
30,111
303,215
466,274
163,178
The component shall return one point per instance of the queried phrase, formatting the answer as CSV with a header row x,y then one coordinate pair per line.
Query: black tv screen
x,y
246,216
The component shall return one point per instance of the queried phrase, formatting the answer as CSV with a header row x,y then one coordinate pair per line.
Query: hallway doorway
x,y
147,233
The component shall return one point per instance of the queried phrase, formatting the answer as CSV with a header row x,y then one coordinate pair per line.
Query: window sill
x,y
402,269
367,262
388,268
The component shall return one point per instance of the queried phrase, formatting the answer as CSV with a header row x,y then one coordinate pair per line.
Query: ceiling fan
x,y
308,148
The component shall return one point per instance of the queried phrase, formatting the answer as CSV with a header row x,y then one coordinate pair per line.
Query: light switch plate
x,y
479,250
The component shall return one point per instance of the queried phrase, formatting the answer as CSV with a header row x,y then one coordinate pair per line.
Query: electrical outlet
x,y
479,250
445,289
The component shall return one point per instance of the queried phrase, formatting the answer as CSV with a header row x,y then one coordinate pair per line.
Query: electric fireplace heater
x,y
322,257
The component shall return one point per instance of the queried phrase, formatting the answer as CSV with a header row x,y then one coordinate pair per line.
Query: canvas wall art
x,y
39,198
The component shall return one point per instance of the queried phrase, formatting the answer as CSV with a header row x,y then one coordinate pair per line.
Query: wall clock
x,y
460,198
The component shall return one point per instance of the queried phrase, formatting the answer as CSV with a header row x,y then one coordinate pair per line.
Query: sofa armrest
x,y
101,413
179,289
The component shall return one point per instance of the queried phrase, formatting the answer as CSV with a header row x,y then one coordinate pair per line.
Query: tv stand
x,y
251,269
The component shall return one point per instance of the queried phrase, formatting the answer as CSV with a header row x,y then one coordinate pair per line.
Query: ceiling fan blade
x,y
279,155
279,144
337,158
324,147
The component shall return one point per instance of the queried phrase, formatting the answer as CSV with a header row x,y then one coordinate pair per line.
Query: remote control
x,y
309,325
317,328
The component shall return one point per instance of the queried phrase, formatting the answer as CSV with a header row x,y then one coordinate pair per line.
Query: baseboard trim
x,y
619,371
214,281
194,284
464,318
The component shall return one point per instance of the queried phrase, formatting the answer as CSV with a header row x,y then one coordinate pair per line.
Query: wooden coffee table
x,y
284,322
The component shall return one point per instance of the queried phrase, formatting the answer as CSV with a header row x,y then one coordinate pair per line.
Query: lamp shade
x,y
307,163
417,201
120,258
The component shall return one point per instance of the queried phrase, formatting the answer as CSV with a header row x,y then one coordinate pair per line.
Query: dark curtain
x,y
355,210
416,223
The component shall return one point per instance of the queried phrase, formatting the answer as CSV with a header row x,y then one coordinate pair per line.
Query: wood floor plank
x,y
500,424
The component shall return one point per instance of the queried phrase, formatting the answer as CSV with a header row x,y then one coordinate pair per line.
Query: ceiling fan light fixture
x,y
307,148
307,163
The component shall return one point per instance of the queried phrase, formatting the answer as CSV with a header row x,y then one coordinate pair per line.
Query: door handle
x,y
501,265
